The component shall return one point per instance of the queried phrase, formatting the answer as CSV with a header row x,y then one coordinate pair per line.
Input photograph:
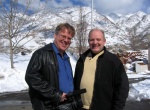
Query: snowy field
x,y
12,80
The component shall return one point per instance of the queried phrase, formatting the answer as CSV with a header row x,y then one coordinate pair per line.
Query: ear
x,y
55,35
88,41
104,41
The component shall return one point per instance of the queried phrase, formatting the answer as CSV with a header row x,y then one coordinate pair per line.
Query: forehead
x,y
65,30
96,33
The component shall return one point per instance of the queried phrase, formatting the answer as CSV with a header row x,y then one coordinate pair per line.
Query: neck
x,y
94,54
61,52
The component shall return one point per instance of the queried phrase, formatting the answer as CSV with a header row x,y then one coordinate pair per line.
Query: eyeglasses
x,y
64,37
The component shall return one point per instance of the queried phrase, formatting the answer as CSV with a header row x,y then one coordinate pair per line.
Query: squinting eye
x,y
63,36
98,39
91,40
69,38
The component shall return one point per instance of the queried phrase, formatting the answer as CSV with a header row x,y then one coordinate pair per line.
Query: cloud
x,y
117,6
33,4
148,10
61,3
86,2
43,4
101,6
40,4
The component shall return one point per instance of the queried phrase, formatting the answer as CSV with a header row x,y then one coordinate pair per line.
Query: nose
x,y
94,41
66,39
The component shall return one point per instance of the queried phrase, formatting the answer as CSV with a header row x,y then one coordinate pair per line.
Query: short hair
x,y
96,29
64,26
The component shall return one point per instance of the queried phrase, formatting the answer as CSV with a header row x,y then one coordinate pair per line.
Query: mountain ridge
x,y
119,29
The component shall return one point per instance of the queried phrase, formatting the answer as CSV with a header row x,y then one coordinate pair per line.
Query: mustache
x,y
95,45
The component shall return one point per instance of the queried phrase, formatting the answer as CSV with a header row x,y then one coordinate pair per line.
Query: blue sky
x,y
101,6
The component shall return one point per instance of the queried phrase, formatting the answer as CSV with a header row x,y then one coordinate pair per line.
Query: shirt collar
x,y
90,54
57,51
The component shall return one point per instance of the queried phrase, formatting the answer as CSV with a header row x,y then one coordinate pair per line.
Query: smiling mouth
x,y
64,44
95,46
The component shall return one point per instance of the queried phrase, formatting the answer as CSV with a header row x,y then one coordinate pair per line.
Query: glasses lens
x,y
64,37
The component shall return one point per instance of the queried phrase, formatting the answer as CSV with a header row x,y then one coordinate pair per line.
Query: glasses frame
x,y
63,37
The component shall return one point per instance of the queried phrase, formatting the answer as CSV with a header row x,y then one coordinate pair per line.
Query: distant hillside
x,y
121,31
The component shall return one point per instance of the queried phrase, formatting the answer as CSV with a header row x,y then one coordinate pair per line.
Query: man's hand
x,y
63,97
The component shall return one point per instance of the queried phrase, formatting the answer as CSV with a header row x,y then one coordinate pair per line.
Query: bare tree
x,y
1,45
13,20
132,39
81,30
136,41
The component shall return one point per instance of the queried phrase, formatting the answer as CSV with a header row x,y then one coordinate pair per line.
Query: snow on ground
x,y
12,80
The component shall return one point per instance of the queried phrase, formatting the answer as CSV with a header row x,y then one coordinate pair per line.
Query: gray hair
x,y
96,29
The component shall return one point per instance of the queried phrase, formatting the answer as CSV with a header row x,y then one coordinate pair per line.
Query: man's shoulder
x,y
111,56
44,48
110,53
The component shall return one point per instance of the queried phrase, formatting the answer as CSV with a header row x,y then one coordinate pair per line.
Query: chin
x,y
95,51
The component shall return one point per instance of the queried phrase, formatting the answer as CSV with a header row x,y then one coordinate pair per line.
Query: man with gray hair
x,y
102,74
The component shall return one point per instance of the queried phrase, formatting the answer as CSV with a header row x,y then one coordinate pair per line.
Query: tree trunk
x,y
11,54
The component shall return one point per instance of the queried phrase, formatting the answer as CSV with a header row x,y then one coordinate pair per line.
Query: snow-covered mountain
x,y
118,28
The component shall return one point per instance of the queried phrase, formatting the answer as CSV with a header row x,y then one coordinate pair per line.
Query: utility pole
x,y
91,14
148,36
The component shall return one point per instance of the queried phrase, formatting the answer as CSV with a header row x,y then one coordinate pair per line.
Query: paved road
x,y
136,105
20,101
15,101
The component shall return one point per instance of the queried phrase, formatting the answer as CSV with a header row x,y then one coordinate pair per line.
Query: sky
x,y
12,80
101,6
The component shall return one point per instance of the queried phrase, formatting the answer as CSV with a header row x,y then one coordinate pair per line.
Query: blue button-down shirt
x,y
65,71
